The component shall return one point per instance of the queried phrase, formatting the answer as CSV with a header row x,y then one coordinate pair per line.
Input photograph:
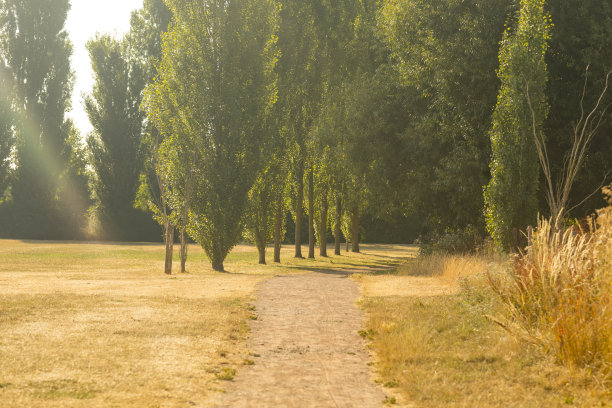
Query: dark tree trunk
x,y
185,219
184,248
355,229
217,265
323,233
261,248
299,206
260,243
311,232
337,226
278,225
169,241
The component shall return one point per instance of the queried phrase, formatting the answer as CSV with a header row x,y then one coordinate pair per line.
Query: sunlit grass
x,y
95,324
435,345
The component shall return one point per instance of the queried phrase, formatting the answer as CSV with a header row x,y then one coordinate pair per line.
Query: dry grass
x,y
91,324
426,275
97,324
435,346
558,294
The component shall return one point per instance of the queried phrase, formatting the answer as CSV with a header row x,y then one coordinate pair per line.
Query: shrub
x,y
459,241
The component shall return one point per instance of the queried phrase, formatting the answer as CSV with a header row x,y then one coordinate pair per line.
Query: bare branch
x,y
542,155
584,89
598,189
584,131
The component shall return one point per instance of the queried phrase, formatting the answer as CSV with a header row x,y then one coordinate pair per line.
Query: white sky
x,y
85,19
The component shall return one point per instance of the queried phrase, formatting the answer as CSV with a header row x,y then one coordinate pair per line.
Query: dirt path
x,y
308,350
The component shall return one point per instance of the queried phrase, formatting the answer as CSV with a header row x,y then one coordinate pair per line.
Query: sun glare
x,y
85,19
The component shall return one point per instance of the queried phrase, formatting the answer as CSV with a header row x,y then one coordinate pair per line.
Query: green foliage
x,y
259,216
147,26
267,198
36,83
463,241
300,83
74,190
446,54
6,132
214,93
511,199
114,111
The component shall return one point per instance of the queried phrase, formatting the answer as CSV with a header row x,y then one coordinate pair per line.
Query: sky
x,y
85,19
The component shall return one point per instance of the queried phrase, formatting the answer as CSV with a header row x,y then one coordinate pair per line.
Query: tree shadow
x,y
345,272
109,243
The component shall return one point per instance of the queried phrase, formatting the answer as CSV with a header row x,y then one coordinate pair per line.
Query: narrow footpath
x,y
308,352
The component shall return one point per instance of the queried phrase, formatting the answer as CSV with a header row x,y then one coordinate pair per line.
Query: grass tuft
x,y
226,374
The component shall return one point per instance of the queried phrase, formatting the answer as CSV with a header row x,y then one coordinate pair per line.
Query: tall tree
x,y
36,49
146,29
260,213
264,218
300,87
511,200
6,131
114,111
214,91
446,54
147,26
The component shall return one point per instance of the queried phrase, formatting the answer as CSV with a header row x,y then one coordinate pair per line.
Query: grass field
x,y
436,347
91,324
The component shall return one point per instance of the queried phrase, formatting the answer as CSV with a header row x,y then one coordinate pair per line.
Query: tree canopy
x,y
285,121
215,90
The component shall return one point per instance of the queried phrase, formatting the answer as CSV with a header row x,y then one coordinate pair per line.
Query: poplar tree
x,y
511,199
146,29
114,111
6,132
214,93
36,50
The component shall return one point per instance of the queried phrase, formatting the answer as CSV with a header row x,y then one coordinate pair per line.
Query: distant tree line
x,y
317,121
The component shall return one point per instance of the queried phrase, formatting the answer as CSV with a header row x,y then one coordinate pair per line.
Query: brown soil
x,y
306,348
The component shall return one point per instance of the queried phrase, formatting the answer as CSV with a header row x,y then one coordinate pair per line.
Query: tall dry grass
x,y
558,293
451,268
435,346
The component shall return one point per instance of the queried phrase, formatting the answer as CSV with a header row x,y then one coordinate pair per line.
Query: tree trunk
x,y
169,241
184,248
262,254
217,265
337,227
260,243
278,225
185,218
311,232
355,229
323,228
299,206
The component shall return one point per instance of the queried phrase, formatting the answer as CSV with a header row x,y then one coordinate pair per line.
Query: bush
x,y
460,241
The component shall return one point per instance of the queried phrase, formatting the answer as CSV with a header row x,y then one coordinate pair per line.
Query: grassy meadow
x,y
94,324
429,325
